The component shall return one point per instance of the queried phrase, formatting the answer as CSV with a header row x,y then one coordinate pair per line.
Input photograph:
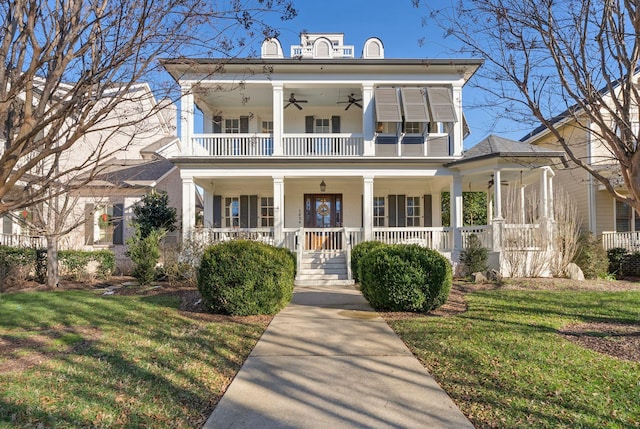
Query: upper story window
x,y
267,127
232,126
412,127
322,125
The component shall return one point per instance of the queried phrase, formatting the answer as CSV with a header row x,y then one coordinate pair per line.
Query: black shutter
x,y
308,124
428,214
253,211
244,211
402,210
118,224
88,224
392,210
217,124
217,211
335,124
244,124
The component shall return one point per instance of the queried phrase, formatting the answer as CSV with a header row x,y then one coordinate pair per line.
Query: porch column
x,y
551,200
523,217
497,195
368,119
278,118
278,210
186,119
188,206
544,194
458,134
456,211
367,208
208,209
436,209
489,208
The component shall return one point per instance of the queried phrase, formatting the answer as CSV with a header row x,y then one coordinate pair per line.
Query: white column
x,y
186,119
550,211
208,209
544,194
436,208
278,118
368,119
458,133
188,205
278,210
523,217
497,195
489,208
456,211
367,208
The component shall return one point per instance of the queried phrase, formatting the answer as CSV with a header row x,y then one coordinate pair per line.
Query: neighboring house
x,y
320,150
616,223
137,164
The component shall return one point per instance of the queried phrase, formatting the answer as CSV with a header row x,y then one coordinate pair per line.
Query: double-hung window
x,y
378,211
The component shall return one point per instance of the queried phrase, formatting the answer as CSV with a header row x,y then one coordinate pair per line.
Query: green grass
x,y
505,366
147,366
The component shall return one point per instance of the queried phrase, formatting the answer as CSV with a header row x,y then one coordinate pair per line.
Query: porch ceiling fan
x,y
351,101
294,101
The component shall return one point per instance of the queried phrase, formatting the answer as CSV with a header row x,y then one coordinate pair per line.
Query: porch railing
x,y
522,237
219,235
438,238
323,145
627,240
483,232
19,240
233,145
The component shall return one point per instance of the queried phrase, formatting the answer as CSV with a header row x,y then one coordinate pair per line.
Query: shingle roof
x,y
132,173
158,144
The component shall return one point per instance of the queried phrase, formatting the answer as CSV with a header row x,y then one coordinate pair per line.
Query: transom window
x,y
322,126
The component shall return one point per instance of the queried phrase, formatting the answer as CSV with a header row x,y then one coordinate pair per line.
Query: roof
x,y
498,147
158,144
129,173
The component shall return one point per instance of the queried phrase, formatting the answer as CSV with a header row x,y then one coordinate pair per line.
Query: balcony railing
x,y
339,145
345,51
229,145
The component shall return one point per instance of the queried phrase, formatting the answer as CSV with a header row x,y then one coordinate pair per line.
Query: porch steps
x,y
326,268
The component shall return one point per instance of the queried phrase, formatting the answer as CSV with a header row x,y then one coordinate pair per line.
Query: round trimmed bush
x,y
405,278
244,278
358,252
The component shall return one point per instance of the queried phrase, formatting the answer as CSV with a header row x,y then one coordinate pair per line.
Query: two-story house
x,y
321,150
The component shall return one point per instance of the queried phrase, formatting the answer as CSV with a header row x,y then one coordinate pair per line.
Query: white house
x,y
321,150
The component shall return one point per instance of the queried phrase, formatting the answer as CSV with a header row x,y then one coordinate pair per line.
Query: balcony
x,y
334,145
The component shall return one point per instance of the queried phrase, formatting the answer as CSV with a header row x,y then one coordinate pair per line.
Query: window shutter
x,y
402,210
441,103
308,124
217,211
118,229
387,105
335,124
217,124
414,105
244,211
7,225
88,224
428,213
244,124
392,210
253,211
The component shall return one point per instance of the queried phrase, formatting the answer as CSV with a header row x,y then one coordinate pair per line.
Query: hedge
x,y
405,278
358,252
242,278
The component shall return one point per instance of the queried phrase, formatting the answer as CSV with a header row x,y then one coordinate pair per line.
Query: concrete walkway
x,y
329,361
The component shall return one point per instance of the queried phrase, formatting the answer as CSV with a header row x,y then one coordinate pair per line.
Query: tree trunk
x,y
52,261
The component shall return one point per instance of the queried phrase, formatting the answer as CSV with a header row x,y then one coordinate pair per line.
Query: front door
x,y
322,211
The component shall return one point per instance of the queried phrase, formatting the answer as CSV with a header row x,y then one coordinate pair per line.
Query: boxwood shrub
x,y
358,252
405,278
243,278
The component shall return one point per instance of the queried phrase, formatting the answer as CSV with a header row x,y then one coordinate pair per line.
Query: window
x,y
232,126
232,212
266,211
412,127
322,126
413,211
106,225
267,127
626,218
378,211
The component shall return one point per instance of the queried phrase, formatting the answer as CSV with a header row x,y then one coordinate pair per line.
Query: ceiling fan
x,y
352,100
292,100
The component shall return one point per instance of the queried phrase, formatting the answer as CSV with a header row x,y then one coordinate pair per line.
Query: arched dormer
x,y
271,48
322,48
373,48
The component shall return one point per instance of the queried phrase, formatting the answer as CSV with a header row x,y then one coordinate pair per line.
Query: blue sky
x,y
400,26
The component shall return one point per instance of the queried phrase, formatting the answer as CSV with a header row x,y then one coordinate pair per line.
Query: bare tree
x,y
67,63
563,63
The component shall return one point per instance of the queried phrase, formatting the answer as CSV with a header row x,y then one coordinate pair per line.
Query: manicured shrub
x,y
405,278
358,252
243,278
77,263
616,258
591,257
16,264
474,256
145,254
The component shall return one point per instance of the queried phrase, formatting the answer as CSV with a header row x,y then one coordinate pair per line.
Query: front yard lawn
x,y
78,359
506,365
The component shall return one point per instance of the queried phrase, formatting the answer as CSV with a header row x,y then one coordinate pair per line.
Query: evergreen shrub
x,y
358,252
474,256
242,278
591,257
405,277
